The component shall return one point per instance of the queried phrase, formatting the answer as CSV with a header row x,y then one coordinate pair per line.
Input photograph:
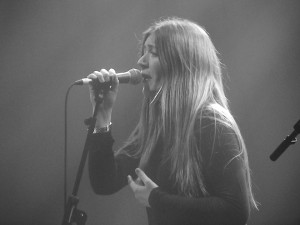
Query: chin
x,y
146,89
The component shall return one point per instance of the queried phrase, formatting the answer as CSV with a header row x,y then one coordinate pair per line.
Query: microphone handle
x,y
123,78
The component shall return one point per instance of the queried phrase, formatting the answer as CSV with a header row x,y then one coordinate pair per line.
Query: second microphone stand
x,y
289,140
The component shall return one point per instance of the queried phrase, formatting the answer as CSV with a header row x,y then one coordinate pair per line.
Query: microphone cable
x,y
66,146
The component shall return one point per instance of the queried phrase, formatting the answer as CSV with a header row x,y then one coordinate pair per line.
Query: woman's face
x,y
151,68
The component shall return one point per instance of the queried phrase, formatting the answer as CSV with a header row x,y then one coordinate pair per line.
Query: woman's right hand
x,y
109,96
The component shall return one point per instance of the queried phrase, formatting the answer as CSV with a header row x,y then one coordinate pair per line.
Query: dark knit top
x,y
224,175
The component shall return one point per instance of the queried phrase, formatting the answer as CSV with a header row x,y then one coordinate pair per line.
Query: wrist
x,y
103,118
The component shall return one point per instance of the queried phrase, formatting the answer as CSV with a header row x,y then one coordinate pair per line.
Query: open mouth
x,y
146,76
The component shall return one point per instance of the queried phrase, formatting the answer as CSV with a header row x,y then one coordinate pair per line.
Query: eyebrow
x,y
150,46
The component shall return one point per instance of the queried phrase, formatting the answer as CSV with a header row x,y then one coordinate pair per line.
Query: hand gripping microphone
x,y
132,76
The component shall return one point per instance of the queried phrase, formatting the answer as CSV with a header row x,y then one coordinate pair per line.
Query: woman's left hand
x,y
142,187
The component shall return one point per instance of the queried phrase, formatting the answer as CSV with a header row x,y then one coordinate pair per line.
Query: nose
x,y
143,60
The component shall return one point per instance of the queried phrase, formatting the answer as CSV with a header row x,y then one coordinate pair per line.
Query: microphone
x,y
132,76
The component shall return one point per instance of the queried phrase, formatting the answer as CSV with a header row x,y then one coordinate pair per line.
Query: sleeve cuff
x,y
154,197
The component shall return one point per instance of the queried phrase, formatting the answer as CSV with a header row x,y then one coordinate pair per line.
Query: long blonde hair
x,y
191,83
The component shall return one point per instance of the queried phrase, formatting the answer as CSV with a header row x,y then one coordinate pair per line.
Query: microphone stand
x,y
289,140
71,213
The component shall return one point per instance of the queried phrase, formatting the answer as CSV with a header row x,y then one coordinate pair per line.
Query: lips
x,y
146,76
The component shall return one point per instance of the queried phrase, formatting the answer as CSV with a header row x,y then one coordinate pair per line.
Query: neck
x,y
154,95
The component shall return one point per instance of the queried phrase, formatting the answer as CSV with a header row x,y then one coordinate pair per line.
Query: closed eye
x,y
150,49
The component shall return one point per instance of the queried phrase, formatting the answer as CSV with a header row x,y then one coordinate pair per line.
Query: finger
x,y
114,79
140,173
105,75
131,183
92,76
139,181
129,178
112,72
98,75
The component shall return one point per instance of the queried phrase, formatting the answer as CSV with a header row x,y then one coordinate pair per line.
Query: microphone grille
x,y
135,76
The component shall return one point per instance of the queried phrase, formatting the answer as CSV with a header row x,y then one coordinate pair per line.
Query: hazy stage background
x,y
47,45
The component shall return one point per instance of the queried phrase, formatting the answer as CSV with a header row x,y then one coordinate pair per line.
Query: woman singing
x,y
186,160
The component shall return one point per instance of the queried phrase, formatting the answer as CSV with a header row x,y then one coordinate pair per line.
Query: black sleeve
x,y
226,181
108,174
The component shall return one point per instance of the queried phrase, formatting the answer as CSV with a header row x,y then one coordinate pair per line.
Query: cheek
x,y
157,70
